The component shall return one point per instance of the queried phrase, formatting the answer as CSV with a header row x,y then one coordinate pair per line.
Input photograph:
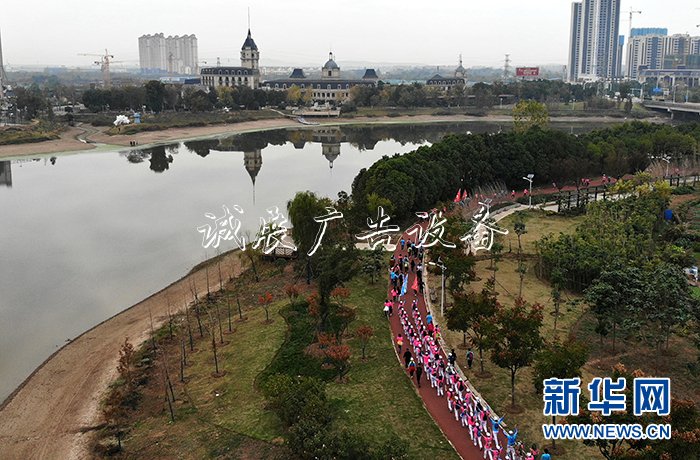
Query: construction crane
x,y
632,13
104,62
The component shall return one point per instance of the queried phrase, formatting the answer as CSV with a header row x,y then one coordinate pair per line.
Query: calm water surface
x,y
85,236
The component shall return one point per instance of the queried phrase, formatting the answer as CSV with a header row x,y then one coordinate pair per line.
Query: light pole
x,y
442,297
529,195
665,158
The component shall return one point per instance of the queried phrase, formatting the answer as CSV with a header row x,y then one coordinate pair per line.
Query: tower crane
x,y
104,62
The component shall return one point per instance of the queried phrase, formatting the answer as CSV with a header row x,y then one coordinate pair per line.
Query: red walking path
x,y
436,405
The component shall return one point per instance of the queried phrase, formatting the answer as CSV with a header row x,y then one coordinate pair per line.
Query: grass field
x,y
226,416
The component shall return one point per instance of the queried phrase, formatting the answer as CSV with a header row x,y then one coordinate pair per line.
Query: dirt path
x,y
434,404
51,415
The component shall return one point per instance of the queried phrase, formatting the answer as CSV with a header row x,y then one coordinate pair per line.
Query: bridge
x,y
686,109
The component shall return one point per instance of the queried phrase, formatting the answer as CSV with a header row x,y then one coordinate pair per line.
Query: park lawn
x,y
379,400
226,416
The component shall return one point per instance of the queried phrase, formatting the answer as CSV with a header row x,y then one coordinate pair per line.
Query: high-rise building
x,y
3,77
174,55
659,51
574,42
594,40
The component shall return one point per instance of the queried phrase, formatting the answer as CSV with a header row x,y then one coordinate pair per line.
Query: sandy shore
x,y
52,414
70,142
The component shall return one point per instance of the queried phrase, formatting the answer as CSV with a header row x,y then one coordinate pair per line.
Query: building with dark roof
x,y
331,87
445,83
248,74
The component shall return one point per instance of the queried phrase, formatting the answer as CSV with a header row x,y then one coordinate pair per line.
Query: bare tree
x,y
189,326
240,311
213,344
183,359
218,266
228,307
170,316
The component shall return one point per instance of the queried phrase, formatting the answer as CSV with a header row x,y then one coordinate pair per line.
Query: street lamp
x,y
665,158
442,299
529,195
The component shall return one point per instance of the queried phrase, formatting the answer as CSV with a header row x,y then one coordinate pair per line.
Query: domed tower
x,y
330,69
460,72
249,53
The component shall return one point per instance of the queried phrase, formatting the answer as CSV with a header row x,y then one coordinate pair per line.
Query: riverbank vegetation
x,y
431,174
36,132
240,386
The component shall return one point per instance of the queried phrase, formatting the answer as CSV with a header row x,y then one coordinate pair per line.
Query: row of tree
x,y
419,179
156,96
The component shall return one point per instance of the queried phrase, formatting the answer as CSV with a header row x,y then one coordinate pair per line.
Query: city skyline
x,y
301,34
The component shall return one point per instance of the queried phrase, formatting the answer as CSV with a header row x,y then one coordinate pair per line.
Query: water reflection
x,y
6,173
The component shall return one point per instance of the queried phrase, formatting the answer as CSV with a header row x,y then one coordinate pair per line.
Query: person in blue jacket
x,y
512,436
495,427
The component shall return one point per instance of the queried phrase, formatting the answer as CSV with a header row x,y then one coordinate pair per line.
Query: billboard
x,y
527,71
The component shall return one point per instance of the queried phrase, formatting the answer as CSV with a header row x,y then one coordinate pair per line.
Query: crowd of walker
x,y
423,360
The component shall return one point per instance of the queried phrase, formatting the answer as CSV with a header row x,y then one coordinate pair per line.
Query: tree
x,y
265,300
515,338
302,209
665,304
372,263
155,95
123,397
460,272
562,361
614,295
364,333
339,356
473,315
528,114
335,266
684,420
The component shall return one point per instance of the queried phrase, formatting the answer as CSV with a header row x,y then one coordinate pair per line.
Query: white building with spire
x,y
248,74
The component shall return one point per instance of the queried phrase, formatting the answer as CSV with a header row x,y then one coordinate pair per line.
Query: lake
x,y
84,236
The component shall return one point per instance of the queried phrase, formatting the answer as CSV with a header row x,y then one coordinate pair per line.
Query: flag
x,y
414,286
404,288
456,200
465,195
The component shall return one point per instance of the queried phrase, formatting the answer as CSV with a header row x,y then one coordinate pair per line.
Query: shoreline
x,y
100,141
56,408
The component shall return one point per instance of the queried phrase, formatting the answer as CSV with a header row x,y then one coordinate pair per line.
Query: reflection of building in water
x,y
5,173
330,139
253,162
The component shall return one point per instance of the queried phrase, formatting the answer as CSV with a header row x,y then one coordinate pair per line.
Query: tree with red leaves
x,y
364,333
265,301
339,356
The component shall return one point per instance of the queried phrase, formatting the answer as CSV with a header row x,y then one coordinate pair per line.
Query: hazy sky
x,y
53,32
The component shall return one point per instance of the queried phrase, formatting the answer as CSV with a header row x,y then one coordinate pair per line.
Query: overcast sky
x,y
301,32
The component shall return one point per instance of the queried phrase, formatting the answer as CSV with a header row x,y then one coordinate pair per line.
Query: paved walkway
x,y
436,405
